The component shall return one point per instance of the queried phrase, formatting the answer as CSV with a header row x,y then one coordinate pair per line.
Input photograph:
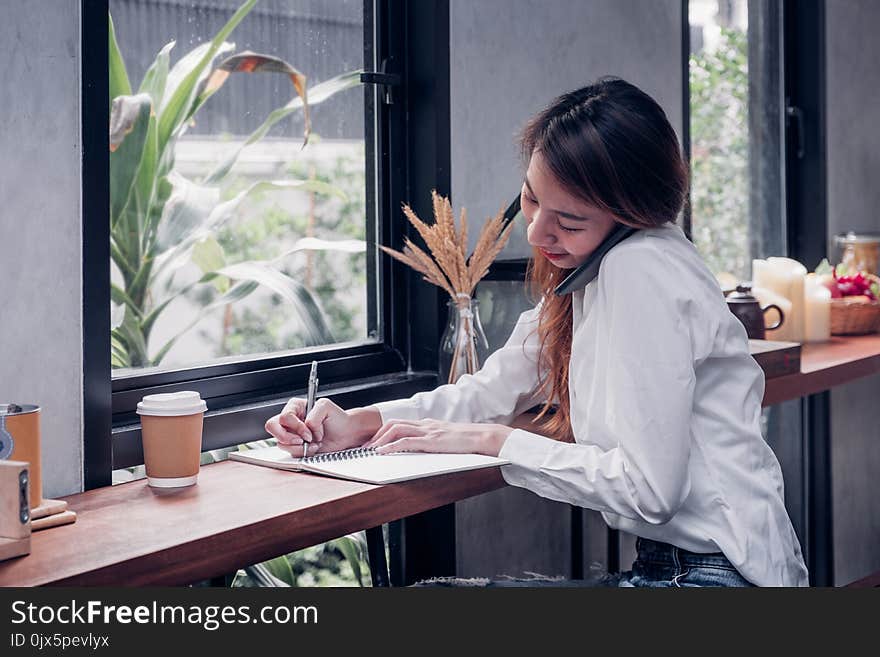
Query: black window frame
x,y
412,154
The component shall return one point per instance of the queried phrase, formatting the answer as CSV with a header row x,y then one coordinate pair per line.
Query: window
x,y
736,123
246,244
246,351
758,189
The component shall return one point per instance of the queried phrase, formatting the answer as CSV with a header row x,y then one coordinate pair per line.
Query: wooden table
x,y
826,365
239,514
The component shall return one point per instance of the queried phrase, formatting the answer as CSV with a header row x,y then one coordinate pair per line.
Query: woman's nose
x,y
540,231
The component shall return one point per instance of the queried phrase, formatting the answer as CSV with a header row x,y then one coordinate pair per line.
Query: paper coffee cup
x,y
171,429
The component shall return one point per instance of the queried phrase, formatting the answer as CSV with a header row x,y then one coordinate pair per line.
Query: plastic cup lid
x,y
185,402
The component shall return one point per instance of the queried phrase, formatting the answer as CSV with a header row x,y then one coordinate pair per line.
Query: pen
x,y
310,401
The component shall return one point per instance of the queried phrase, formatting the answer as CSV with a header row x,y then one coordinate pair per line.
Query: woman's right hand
x,y
328,428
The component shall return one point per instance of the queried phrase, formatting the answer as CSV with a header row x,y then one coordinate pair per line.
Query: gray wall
x,y
509,59
41,323
853,143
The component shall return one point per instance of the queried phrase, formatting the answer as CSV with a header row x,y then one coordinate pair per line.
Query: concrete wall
x,y
509,58
853,143
40,245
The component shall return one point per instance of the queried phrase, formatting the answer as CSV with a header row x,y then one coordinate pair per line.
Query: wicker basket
x,y
851,316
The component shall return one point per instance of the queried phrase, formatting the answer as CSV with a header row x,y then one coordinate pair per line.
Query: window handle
x,y
385,80
795,114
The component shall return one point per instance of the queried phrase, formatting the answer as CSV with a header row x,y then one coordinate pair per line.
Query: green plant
x,y
160,221
719,154
262,325
340,562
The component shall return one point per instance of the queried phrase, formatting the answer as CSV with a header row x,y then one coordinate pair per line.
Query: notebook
x,y
365,465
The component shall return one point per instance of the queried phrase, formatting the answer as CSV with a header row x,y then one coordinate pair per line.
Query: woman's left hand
x,y
439,436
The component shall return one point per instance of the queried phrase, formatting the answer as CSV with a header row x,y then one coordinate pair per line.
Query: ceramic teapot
x,y
749,311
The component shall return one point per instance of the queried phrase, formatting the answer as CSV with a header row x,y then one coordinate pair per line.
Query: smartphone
x,y
579,278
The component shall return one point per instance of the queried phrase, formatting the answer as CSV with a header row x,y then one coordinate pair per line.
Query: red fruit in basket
x,y
831,284
847,287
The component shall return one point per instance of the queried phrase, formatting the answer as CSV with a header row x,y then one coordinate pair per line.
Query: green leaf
x,y
130,335
300,299
185,65
119,296
119,84
186,212
280,567
157,75
118,352
824,267
317,244
120,258
238,292
129,124
350,550
208,255
191,214
177,109
140,203
317,94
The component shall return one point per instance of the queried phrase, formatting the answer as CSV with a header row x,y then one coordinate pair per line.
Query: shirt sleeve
x,y
503,388
633,394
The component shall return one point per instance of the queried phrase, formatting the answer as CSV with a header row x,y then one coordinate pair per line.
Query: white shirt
x,y
665,412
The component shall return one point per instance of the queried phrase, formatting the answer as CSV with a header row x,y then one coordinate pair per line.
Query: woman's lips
x,y
552,256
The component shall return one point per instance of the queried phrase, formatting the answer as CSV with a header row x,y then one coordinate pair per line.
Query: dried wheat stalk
x,y
447,264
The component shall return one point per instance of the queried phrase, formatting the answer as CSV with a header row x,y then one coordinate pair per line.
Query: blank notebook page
x,y
390,468
370,468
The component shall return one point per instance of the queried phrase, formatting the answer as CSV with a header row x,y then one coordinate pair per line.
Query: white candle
x,y
817,311
785,277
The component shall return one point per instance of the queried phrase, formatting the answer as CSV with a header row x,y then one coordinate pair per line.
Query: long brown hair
x,y
611,145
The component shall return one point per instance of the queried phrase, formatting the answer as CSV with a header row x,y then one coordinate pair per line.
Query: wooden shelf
x,y
826,365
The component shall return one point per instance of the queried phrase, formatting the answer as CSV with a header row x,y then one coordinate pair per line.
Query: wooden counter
x,y
239,514
826,365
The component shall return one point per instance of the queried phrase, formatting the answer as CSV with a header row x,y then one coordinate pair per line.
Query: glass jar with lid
x,y
860,251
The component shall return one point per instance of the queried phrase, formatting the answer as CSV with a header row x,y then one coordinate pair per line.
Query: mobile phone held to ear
x,y
579,278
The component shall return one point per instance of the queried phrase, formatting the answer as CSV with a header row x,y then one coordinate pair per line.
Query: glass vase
x,y
463,347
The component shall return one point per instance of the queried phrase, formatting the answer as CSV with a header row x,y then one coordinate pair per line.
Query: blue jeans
x,y
658,565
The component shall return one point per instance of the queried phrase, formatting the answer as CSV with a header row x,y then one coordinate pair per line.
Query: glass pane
x,y
501,303
214,262
736,105
738,188
719,86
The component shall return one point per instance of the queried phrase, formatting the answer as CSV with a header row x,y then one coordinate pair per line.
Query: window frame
x,y
242,394
801,235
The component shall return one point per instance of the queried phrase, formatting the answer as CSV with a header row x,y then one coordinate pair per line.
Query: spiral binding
x,y
342,455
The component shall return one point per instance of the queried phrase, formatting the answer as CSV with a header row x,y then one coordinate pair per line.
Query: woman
x,y
657,400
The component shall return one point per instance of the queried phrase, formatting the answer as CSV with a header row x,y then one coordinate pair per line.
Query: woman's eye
x,y
569,230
